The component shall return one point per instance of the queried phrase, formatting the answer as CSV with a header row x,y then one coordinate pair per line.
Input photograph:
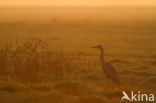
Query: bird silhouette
x,y
107,67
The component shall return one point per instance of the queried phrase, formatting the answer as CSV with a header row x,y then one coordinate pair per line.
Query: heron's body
x,y
110,72
108,68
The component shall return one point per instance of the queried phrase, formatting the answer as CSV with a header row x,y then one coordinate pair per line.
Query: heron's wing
x,y
110,69
111,72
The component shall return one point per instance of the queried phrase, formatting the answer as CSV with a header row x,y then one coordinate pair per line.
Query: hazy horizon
x,y
92,15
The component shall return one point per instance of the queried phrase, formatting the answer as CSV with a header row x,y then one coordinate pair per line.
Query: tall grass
x,y
29,60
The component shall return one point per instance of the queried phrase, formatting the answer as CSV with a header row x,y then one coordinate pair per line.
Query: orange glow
x,y
77,2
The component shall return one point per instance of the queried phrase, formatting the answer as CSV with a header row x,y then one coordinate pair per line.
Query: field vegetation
x,y
53,62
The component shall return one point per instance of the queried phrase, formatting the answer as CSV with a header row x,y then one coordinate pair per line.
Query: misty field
x,y
52,61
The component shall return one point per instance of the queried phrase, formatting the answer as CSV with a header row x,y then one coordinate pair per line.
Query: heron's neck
x,y
102,55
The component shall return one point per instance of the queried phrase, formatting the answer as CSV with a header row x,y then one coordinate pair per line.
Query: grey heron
x,y
107,67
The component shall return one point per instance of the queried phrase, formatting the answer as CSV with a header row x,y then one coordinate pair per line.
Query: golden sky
x,y
77,2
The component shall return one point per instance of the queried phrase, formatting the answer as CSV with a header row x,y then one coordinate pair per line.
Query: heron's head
x,y
98,47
